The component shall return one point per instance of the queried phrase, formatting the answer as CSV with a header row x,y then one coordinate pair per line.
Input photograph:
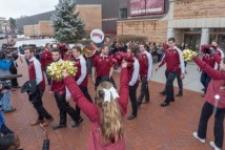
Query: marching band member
x,y
103,67
208,58
134,79
35,74
46,59
174,66
219,52
146,63
81,77
58,87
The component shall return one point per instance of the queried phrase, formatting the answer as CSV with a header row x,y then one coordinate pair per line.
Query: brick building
x,y
42,25
43,28
193,22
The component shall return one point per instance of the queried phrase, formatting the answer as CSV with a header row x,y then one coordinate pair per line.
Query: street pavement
x,y
155,128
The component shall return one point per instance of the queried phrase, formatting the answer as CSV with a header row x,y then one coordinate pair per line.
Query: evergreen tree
x,y
12,24
67,24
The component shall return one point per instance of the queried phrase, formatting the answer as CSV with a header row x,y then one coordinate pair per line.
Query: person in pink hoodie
x,y
215,104
105,113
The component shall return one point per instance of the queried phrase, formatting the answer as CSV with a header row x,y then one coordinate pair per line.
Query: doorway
x,y
192,40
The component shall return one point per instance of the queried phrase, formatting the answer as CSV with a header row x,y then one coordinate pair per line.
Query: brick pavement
x,y
155,128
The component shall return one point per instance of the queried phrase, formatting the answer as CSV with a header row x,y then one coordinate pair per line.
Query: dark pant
x,y
180,84
89,65
144,91
65,108
86,94
104,78
169,86
133,98
205,79
207,111
48,78
13,70
36,100
5,130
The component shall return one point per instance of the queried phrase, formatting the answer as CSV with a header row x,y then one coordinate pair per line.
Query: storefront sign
x,y
146,7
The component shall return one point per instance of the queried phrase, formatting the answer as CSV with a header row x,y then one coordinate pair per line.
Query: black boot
x,y
60,126
163,93
180,94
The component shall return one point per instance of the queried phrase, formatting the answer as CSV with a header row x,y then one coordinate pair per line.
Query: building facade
x,y
4,25
193,22
42,24
42,29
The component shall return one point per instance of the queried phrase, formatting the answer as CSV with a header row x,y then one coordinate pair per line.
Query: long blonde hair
x,y
111,122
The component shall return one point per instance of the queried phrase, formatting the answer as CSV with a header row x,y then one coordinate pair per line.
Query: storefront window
x,y
218,34
123,13
192,38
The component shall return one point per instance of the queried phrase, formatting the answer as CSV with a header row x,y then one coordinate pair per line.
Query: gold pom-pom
x,y
188,54
55,70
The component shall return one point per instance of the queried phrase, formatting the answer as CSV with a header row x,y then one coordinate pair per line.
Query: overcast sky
x,y
17,8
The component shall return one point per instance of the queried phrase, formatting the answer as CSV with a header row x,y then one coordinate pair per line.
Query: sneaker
x,y
179,94
165,104
213,145
131,117
139,103
195,135
77,124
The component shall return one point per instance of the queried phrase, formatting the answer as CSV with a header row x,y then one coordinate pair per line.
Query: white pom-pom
x,y
217,97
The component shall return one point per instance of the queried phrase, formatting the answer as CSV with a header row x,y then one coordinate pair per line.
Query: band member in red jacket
x,y
145,60
106,113
46,59
174,66
134,79
210,59
215,103
219,52
63,49
81,77
102,67
58,87
35,73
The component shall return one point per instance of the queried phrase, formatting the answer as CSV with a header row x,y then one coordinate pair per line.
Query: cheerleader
x,y
209,58
215,103
105,113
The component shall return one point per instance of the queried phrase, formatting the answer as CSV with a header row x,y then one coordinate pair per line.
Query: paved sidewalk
x,y
155,128
191,81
